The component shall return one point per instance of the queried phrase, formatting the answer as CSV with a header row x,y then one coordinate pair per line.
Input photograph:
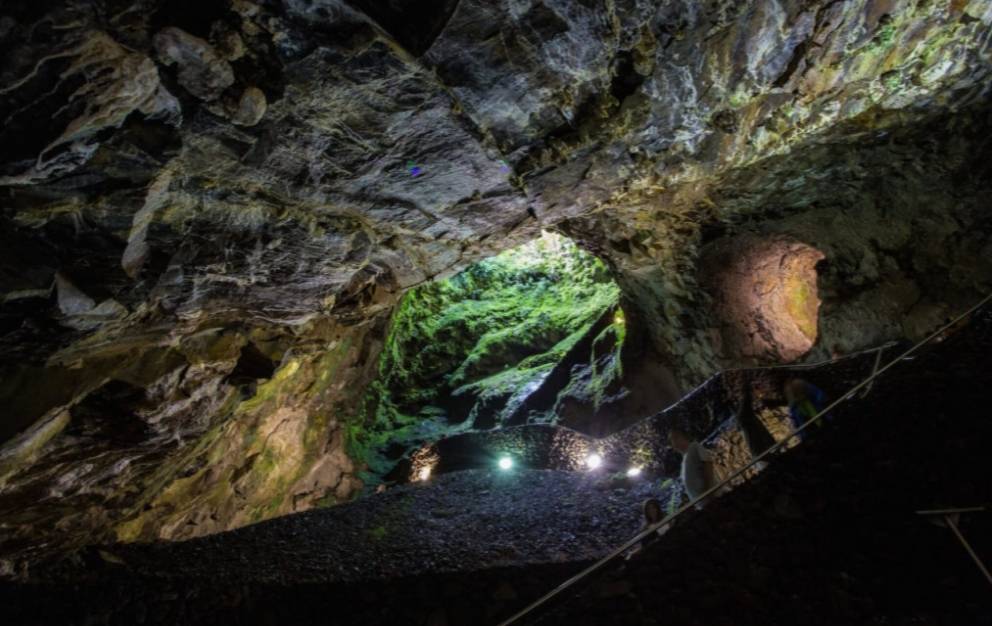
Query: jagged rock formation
x,y
208,212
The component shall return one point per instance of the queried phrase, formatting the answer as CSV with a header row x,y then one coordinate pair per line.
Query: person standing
x,y
756,436
698,471
653,514
806,400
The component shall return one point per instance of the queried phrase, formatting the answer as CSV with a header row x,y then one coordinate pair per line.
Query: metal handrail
x,y
530,608
950,520
751,369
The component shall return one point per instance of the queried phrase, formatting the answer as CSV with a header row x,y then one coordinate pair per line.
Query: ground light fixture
x,y
425,472
633,472
593,461
505,463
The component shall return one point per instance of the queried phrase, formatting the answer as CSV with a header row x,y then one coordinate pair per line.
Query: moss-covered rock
x,y
467,352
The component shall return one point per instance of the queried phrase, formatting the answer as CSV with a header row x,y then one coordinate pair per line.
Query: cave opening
x,y
514,339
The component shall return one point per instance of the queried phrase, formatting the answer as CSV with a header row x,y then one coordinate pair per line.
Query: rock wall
x,y
764,294
901,221
834,126
221,429
178,182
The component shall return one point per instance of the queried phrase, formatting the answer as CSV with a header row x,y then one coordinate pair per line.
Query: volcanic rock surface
x,y
209,210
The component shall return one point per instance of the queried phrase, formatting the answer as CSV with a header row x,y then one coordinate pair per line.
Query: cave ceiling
x,y
208,210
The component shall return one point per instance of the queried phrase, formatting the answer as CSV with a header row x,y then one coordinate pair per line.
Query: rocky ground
x,y
462,521
828,535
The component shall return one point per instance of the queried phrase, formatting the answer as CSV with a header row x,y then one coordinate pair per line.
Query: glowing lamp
x,y
593,461
425,472
634,472
505,463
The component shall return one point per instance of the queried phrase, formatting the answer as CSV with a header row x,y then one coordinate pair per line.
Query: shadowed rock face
x,y
184,190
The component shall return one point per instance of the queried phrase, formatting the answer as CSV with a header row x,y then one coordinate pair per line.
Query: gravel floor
x,y
467,520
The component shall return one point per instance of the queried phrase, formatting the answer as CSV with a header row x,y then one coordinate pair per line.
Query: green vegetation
x,y
891,80
479,341
886,34
674,496
594,384
802,305
378,533
739,96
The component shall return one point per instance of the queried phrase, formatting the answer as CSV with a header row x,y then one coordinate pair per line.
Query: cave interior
x,y
320,302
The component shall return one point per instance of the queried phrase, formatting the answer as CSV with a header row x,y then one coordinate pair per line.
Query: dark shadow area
x,y
252,366
626,81
110,413
415,25
196,18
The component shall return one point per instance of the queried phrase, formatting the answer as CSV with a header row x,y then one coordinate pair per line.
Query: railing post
x,y
874,371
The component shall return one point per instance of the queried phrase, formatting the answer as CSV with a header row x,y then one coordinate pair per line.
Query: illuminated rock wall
x,y
764,294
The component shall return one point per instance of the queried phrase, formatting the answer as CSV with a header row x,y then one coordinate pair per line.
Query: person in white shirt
x,y
698,471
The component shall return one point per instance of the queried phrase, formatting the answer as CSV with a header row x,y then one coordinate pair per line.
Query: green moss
x,y
327,500
491,331
885,35
596,383
802,304
270,390
739,96
891,80
609,369
883,39
266,463
378,533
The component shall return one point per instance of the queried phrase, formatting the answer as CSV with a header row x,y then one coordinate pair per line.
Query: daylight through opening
x,y
508,341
